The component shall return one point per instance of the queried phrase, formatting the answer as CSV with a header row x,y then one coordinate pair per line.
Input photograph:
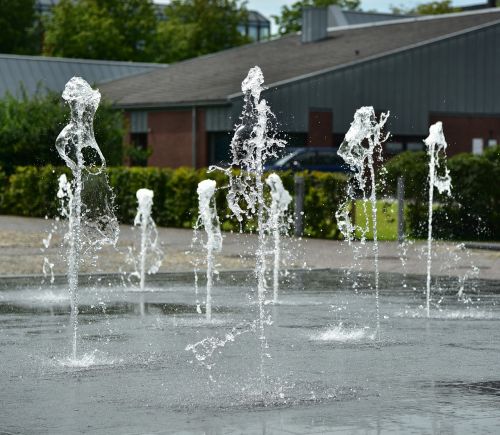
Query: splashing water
x,y
342,334
280,200
209,220
204,349
253,143
92,222
436,148
362,144
150,252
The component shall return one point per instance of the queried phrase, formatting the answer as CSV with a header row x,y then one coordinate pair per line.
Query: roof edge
x,y
374,57
412,19
170,105
79,60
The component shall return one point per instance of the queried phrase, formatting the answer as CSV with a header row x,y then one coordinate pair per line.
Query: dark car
x,y
323,159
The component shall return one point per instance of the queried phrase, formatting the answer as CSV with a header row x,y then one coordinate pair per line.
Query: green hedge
x,y
31,191
473,211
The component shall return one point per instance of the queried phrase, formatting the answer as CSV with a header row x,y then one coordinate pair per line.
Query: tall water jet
x,y
280,200
436,150
253,143
91,221
361,146
209,220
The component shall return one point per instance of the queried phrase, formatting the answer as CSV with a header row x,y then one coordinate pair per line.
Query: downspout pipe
x,y
193,137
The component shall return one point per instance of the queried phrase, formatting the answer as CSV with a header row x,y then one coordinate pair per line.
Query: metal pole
x,y
193,137
299,205
401,206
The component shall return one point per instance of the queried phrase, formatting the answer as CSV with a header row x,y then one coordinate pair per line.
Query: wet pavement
x,y
148,363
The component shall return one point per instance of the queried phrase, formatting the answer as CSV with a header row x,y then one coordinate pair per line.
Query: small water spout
x,y
436,149
90,224
361,146
144,220
280,200
209,220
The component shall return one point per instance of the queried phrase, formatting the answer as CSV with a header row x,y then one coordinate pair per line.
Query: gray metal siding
x,y
219,118
458,74
32,72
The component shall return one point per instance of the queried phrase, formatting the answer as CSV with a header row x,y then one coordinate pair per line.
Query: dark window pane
x,y
329,158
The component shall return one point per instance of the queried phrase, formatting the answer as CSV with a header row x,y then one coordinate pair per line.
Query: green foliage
x,y
31,191
131,30
29,128
197,27
430,8
18,22
290,19
473,211
101,29
324,192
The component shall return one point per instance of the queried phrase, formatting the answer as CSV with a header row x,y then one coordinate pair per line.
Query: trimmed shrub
x,y
31,191
473,211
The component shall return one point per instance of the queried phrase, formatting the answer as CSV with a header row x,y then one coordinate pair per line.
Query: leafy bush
x,y
31,191
29,128
473,211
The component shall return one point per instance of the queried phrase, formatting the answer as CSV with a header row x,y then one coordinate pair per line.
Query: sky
x,y
272,7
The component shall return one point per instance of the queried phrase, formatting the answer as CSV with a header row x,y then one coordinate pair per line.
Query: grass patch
x,y
387,219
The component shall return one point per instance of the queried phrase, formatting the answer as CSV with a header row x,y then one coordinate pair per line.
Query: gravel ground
x,y
22,252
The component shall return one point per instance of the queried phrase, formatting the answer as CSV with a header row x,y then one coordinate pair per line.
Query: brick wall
x,y
460,130
170,138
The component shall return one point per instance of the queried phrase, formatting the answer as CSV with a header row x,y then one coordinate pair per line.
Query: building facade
x,y
420,69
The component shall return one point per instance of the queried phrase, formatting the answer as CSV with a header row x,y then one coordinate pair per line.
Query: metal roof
x,y
339,17
32,72
212,79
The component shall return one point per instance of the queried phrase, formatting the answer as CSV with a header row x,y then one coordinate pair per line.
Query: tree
x,y
29,127
431,8
196,27
101,29
290,19
18,24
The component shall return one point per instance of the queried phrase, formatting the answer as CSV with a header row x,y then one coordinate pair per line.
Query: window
x,y
477,145
138,154
264,32
415,146
242,29
253,32
394,147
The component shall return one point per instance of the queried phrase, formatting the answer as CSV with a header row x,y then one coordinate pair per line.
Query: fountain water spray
x,y
149,249
362,144
90,201
436,149
209,220
280,200
253,143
